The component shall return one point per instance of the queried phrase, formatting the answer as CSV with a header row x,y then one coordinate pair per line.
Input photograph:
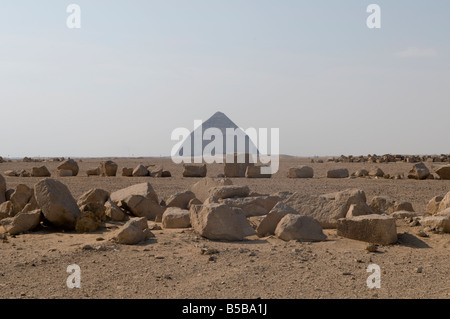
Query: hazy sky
x,y
136,70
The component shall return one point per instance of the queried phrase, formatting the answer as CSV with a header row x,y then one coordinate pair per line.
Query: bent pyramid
x,y
215,127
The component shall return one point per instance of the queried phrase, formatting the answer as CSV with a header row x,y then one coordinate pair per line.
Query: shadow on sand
x,y
412,241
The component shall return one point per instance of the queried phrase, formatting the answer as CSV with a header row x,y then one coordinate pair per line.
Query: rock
x,y
22,222
298,227
10,173
252,206
127,171
255,172
175,217
140,171
269,223
377,229
191,170
422,233
194,201
94,195
40,172
6,210
133,232
361,173
358,210
94,171
2,189
8,193
113,212
404,214
70,165
445,212
371,248
24,173
445,202
201,188
300,172
376,172
108,168
328,208
141,206
87,222
433,205
166,174
64,173
388,205
143,189
97,208
338,173
419,171
180,200
155,171
56,202
220,222
228,191
444,172
439,223
20,198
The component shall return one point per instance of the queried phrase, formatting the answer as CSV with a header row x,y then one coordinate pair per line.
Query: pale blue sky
x,y
136,70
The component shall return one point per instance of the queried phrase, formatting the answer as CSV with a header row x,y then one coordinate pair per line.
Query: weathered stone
x,y
238,166
252,206
94,171
24,173
70,165
361,173
6,209
87,222
10,173
127,171
194,201
256,172
445,202
401,214
64,173
133,232
20,198
377,229
376,172
338,173
201,188
180,200
269,223
113,212
298,227
439,223
94,195
388,205
2,189
141,206
143,189
175,217
445,212
191,170
444,172
97,208
56,202
419,171
220,222
21,222
140,171
166,174
228,191
40,172
155,170
301,172
108,168
328,208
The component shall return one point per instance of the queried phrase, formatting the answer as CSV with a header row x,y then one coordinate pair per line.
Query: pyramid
x,y
242,142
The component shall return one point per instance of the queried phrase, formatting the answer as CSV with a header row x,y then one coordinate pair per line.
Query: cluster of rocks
x,y
386,158
41,171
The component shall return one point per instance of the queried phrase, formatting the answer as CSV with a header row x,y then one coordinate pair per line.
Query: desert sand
x,y
33,264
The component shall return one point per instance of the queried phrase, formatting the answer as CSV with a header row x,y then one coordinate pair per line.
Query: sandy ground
x,y
33,265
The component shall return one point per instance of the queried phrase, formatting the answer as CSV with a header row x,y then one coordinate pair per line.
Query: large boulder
x,y
94,171
126,171
328,208
175,217
445,202
143,189
388,205
141,206
180,200
419,171
70,165
228,191
444,172
65,173
201,188
40,172
376,229
338,173
298,227
433,205
268,225
253,206
439,223
108,168
255,172
114,212
133,232
220,222
20,198
21,222
88,221
301,172
2,189
140,171
191,170
57,203
94,195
